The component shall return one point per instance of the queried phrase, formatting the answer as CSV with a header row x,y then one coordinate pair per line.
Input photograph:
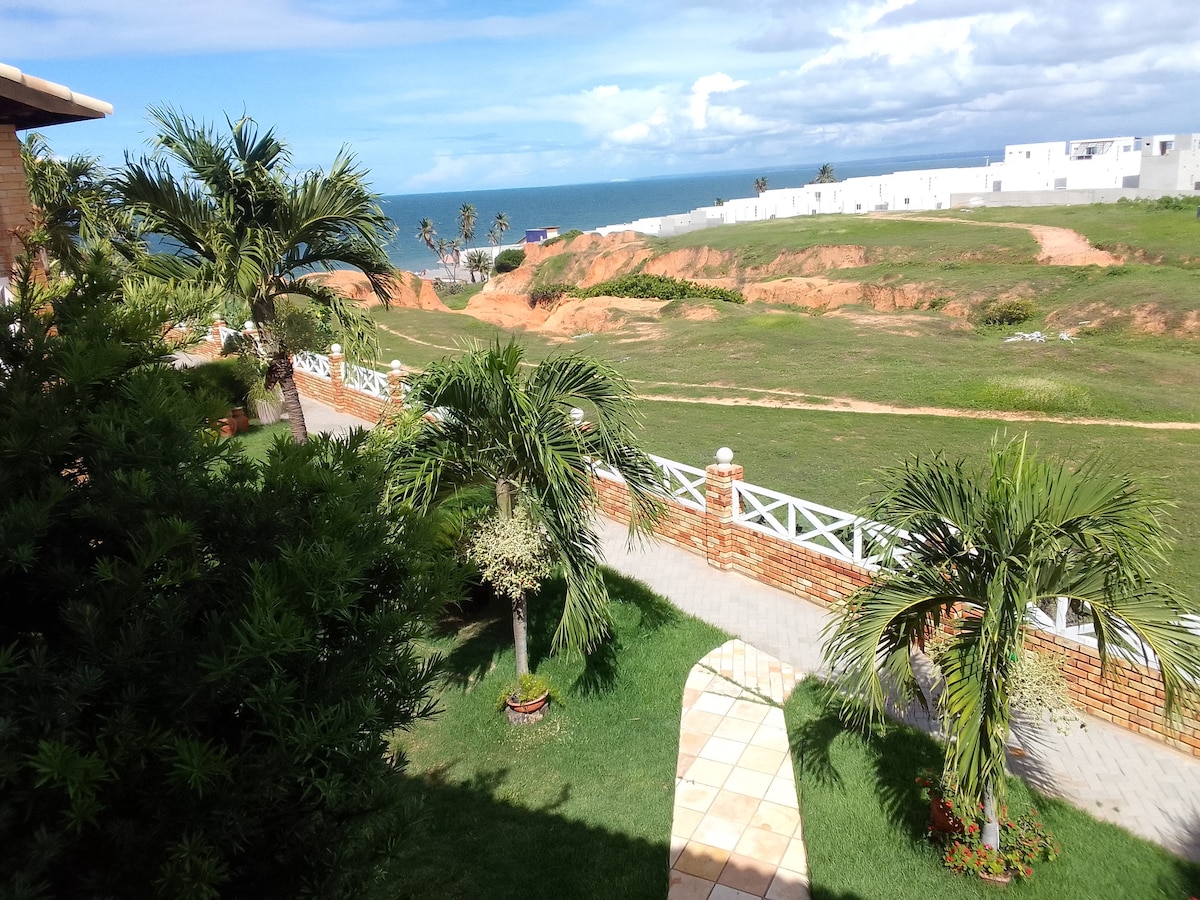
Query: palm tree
x,y
510,427
426,233
992,545
760,184
448,255
466,223
74,203
825,175
496,232
239,221
479,263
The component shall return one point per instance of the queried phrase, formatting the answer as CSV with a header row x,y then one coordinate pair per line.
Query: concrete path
x,y
1114,774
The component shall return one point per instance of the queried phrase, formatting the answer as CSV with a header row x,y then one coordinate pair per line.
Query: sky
x,y
448,95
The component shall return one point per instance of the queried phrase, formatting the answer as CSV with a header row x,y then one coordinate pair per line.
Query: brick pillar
x,y
15,209
395,384
337,369
718,512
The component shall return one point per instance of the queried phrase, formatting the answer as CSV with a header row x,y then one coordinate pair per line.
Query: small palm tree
x,y
240,222
825,175
511,428
992,545
74,203
478,263
760,184
466,223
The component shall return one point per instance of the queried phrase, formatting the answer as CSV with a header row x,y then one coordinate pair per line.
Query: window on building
x,y
858,207
996,186
906,201
1060,184
1027,154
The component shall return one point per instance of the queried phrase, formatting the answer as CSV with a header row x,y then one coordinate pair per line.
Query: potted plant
x,y
528,695
938,789
266,402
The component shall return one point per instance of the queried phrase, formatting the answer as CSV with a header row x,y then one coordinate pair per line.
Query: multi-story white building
x,y
1101,170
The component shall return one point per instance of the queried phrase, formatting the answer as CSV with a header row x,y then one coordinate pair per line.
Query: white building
x,y
1100,170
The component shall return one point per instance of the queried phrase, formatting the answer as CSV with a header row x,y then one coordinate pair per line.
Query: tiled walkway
x,y
736,831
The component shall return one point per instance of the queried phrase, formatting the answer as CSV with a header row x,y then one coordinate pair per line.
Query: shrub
x,y
548,294
1013,311
660,287
201,655
565,237
508,260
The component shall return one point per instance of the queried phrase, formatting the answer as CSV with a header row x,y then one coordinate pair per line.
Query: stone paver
x,y
736,829
1145,786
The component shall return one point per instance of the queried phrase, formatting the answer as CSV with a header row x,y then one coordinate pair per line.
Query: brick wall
x,y
14,198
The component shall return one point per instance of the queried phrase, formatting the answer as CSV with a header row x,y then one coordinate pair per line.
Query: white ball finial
x,y
396,365
249,326
724,456
336,348
577,416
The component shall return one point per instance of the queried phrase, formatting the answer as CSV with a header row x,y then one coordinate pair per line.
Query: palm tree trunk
x,y
991,825
279,372
520,606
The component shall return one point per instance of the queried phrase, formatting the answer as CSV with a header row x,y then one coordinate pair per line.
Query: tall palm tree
x,y
825,175
466,223
237,219
760,184
499,226
992,545
426,233
510,427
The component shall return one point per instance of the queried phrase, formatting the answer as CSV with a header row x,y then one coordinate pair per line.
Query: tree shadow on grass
x,y
470,842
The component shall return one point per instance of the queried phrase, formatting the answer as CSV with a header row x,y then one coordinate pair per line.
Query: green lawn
x,y
578,805
828,457
864,824
1135,230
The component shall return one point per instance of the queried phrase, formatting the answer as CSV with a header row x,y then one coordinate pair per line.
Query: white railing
x,y
368,381
1085,632
312,363
227,333
680,483
823,530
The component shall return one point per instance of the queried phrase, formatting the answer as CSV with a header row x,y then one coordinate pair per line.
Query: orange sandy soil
x,y
793,279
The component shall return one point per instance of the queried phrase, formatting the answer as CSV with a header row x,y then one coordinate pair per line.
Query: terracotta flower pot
x,y
1000,880
529,706
942,819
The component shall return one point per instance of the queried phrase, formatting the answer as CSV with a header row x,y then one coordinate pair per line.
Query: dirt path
x,y
781,399
1060,246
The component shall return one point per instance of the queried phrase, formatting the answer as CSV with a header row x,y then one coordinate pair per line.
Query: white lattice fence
x,y
822,529
681,483
312,363
368,381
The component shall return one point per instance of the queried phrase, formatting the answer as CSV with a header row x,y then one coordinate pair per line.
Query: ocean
x,y
587,206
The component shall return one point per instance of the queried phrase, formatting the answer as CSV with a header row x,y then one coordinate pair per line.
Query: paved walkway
x,y
1114,774
736,832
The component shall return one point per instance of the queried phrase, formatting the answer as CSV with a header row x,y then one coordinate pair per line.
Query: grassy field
x,y
831,457
921,359
1136,230
864,824
578,805
897,240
